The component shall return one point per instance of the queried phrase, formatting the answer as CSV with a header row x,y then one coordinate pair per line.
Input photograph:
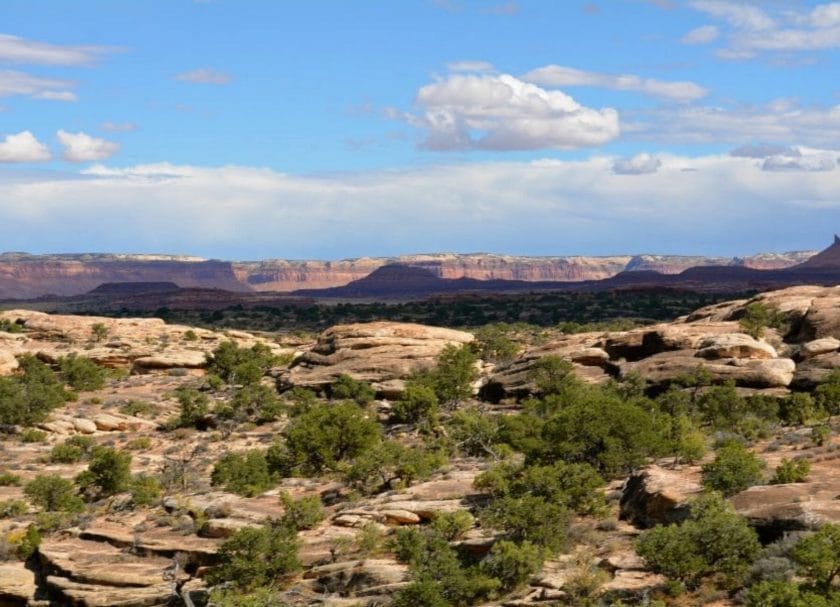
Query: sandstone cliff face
x,y
25,276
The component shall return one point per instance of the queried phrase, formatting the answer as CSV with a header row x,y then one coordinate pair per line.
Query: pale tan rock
x,y
376,352
17,584
817,347
223,527
657,495
358,575
85,426
400,517
735,345
750,373
8,362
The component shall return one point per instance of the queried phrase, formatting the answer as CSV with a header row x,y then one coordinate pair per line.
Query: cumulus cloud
x,y
502,112
14,49
518,207
205,75
558,75
23,147
640,164
701,35
81,147
19,83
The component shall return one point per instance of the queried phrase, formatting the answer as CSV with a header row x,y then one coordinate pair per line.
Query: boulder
x,y
735,345
814,370
8,362
647,341
822,318
817,347
85,426
750,373
658,495
378,352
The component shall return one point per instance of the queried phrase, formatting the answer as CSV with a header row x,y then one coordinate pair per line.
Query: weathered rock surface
x,y
735,345
138,344
751,373
658,495
776,509
17,584
377,352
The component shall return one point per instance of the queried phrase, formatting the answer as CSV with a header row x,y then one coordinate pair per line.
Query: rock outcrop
x,y
383,353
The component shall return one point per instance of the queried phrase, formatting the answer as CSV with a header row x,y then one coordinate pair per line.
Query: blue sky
x,y
255,129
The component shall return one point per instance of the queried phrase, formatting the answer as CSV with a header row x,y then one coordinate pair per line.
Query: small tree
x,y
98,331
734,469
818,555
257,557
109,472
243,473
418,403
53,494
347,388
81,372
791,471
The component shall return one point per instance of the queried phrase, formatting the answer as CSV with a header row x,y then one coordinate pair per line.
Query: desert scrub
x,y
139,408
791,471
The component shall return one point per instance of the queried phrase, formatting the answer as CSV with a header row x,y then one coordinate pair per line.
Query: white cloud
x,y
205,75
740,15
470,66
640,164
14,49
541,207
23,147
810,162
754,30
57,96
764,150
825,15
558,75
780,121
81,147
19,83
504,113
118,127
701,35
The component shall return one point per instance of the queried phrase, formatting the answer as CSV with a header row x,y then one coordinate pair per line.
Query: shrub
x,y
194,407
529,518
82,373
190,335
475,434
418,403
10,326
53,494
323,437
714,539
734,469
254,402
453,525
139,408
243,473
494,344
256,557
512,564
13,508
145,490
108,472
782,594
7,479
347,388
817,555
798,408
827,394
390,465
453,375
27,397
66,454
302,513
758,316
791,471
238,365
33,435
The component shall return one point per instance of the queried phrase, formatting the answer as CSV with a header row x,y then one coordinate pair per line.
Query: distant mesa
x,y
827,259
134,288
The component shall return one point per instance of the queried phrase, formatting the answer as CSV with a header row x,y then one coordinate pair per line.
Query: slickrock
x,y
815,370
825,345
667,366
138,344
658,495
735,345
353,576
17,584
378,352
775,509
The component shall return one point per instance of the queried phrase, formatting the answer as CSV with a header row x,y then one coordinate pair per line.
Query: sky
x,y
251,129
